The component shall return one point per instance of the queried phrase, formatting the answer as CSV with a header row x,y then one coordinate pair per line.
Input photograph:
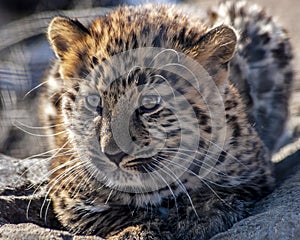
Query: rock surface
x,y
29,231
22,192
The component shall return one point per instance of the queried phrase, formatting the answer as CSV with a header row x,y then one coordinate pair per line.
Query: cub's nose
x,y
116,158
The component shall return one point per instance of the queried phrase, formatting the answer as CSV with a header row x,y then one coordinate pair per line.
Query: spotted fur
x,y
261,69
212,163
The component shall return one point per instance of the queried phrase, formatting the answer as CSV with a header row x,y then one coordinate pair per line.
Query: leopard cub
x,y
164,121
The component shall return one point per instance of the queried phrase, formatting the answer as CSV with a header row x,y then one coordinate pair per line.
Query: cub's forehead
x,y
144,26
146,36
143,15
133,78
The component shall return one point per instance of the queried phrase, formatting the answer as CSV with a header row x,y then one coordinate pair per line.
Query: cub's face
x,y
141,107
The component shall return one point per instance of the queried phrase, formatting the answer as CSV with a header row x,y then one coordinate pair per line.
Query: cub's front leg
x,y
199,218
207,217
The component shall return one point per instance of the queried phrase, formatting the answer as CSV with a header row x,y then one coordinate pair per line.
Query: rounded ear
x,y
63,32
214,50
218,45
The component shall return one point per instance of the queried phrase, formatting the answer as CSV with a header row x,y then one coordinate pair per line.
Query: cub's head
x,y
142,95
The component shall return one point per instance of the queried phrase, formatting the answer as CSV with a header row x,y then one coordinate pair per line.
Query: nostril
x,y
116,158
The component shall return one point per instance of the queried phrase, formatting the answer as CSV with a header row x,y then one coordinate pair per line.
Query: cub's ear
x,y
63,32
214,50
218,45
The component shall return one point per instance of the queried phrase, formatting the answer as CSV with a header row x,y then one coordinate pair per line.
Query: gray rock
x,y
29,231
22,192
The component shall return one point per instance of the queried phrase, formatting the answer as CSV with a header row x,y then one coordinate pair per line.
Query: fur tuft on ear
x,y
63,32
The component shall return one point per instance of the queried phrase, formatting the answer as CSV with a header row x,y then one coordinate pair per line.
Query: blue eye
x,y
150,103
93,101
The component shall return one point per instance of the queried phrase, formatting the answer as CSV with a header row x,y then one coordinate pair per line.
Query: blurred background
x,y
15,9
25,55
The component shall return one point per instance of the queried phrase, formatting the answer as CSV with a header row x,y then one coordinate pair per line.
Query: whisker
x,y
44,127
94,174
229,154
51,172
59,179
38,135
193,151
179,151
173,176
61,94
201,179
28,207
109,195
202,165
161,177
210,167
83,182
47,210
219,173
36,87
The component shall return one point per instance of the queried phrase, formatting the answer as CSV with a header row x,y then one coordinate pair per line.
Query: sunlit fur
x,y
188,173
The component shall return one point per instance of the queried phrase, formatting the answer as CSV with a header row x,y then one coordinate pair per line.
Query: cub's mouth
x,y
142,165
131,164
138,174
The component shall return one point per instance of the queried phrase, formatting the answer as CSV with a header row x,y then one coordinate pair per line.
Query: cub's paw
x,y
141,232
